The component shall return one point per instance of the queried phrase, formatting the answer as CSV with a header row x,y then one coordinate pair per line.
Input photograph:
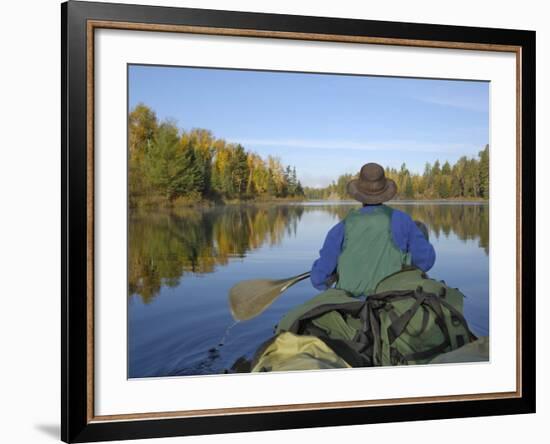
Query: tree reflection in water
x,y
165,245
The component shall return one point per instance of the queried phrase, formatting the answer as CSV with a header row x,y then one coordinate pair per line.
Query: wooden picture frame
x,y
79,22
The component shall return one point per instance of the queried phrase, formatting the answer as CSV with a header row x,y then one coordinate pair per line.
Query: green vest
x,y
369,253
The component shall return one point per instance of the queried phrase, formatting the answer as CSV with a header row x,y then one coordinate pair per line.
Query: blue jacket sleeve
x,y
328,257
422,252
408,237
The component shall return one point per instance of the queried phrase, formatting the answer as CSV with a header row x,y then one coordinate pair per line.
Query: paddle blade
x,y
248,299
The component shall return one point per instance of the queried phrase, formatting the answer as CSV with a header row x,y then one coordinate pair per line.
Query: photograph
x,y
300,221
278,221
274,221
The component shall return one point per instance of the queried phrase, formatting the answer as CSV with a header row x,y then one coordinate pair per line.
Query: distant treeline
x,y
467,178
167,165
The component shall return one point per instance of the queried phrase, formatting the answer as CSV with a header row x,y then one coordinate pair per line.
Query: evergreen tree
x,y
299,190
427,178
185,175
427,170
455,189
239,171
444,187
484,172
409,191
436,169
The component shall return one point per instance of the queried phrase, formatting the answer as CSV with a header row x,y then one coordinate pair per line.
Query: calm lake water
x,y
183,263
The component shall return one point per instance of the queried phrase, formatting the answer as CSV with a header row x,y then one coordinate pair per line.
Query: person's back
x,y
371,242
368,251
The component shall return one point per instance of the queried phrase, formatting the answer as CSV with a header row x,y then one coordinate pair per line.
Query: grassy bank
x,y
158,202
182,202
444,200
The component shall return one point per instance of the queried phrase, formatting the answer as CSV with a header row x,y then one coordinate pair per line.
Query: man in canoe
x,y
372,242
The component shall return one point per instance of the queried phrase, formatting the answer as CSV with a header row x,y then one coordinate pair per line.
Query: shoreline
x,y
406,201
205,204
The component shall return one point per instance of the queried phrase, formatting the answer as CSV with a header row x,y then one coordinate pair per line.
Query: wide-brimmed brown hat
x,y
372,186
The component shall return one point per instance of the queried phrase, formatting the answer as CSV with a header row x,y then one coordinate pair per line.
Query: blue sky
x,y
323,124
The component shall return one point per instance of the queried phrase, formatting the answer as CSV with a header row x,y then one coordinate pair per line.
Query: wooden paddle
x,y
248,299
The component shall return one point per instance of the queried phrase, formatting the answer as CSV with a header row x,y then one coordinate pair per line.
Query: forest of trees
x,y
466,179
167,165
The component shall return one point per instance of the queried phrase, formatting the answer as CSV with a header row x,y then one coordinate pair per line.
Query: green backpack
x,y
410,319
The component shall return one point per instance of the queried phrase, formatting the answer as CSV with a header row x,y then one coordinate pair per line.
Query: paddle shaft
x,y
295,279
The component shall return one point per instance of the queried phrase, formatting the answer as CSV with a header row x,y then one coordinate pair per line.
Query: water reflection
x,y
165,246
467,222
